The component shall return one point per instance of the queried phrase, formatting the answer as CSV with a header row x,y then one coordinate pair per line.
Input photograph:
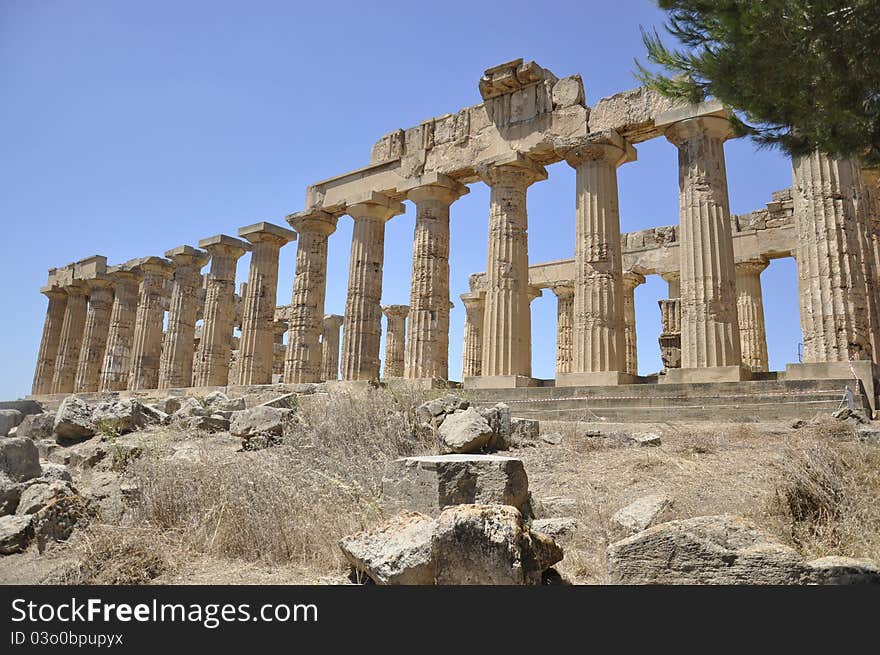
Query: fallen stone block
x,y
552,439
10,493
37,426
868,433
842,571
259,421
647,439
37,496
433,412
642,513
397,553
561,529
9,418
429,483
53,471
464,431
120,416
73,420
19,458
16,533
220,402
500,422
550,506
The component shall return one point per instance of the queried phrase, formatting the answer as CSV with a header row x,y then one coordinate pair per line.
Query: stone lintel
x,y
594,379
90,266
263,231
223,240
686,112
499,382
708,374
511,76
186,253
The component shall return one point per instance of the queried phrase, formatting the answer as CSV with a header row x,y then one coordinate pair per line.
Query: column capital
x,y
100,282
670,277
267,232
631,279
534,292
607,146
76,288
434,186
333,321
222,244
375,206
396,311
698,126
313,220
512,169
473,300
129,270
156,265
756,265
563,290
184,256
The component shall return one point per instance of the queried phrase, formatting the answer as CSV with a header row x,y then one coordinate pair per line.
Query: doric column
x,y
472,351
871,191
670,322
395,339
117,353
831,285
330,347
175,368
51,337
279,329
597,327
428,329
94,341
303,359
709,328
215,346
507,319
363,314
70,341
146,348
631,280
750,311
564,317
257,349
863,205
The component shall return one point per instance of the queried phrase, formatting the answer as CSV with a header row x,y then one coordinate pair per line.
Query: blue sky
x,y
130,128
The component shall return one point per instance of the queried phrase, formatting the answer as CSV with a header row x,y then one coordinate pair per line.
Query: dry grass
x,y
108,555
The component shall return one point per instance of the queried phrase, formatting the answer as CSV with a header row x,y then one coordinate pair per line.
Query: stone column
x,y
864,209
257,344
215,346
304,352
428,329
70,341
709,327
670,333
631,280
94,341
48,352
117,353
871,190
750,311
564,317
279,329
395,339
507,319
363,314
175,367
146,349
330,347
598,330
472,351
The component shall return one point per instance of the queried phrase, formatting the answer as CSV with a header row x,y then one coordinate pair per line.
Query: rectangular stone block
x,y
499,382
866,372
708,374
594,379
428,484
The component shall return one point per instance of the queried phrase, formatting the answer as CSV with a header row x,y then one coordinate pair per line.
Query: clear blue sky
x,y
128,128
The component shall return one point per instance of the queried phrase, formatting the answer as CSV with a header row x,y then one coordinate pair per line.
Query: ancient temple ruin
x,y
158,323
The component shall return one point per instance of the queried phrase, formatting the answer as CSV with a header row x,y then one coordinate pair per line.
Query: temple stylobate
x,y
104,325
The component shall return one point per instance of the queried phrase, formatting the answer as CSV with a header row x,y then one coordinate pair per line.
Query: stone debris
x,y
9,419
37,426
561,529
647,439
868,433
19,458
259,421
464,431
36,496
553,506
121,416
73,420
642,513
433,412
553,438
842,571
16,532
427,484
470,544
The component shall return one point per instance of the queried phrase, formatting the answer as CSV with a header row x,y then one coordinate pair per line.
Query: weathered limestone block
x,y
330,347
9,418
258,303
631,280
429,483
16,532
428,328
750,312
55,311
642,512
146,348
73,420
94,338
259,421
464,431
507,319
117,353
37,426
70,341
175,370
215,345
19,458
363,315
472,352
395,335
630,113
842,570
564,320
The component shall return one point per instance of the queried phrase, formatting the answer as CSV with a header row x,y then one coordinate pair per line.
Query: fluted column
x,y
304,352
862,200
257,344
117,353
279,329
428,328
472,350
750,311
70,341
709,327
175,367
564,317
631,280
363,314
670,322
598,355
330,347
831,285
215,345
52,325
507,319
94,341
395,339
871,190
146,349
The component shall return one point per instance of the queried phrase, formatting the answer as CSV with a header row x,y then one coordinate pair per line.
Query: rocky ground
x,y
228,490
